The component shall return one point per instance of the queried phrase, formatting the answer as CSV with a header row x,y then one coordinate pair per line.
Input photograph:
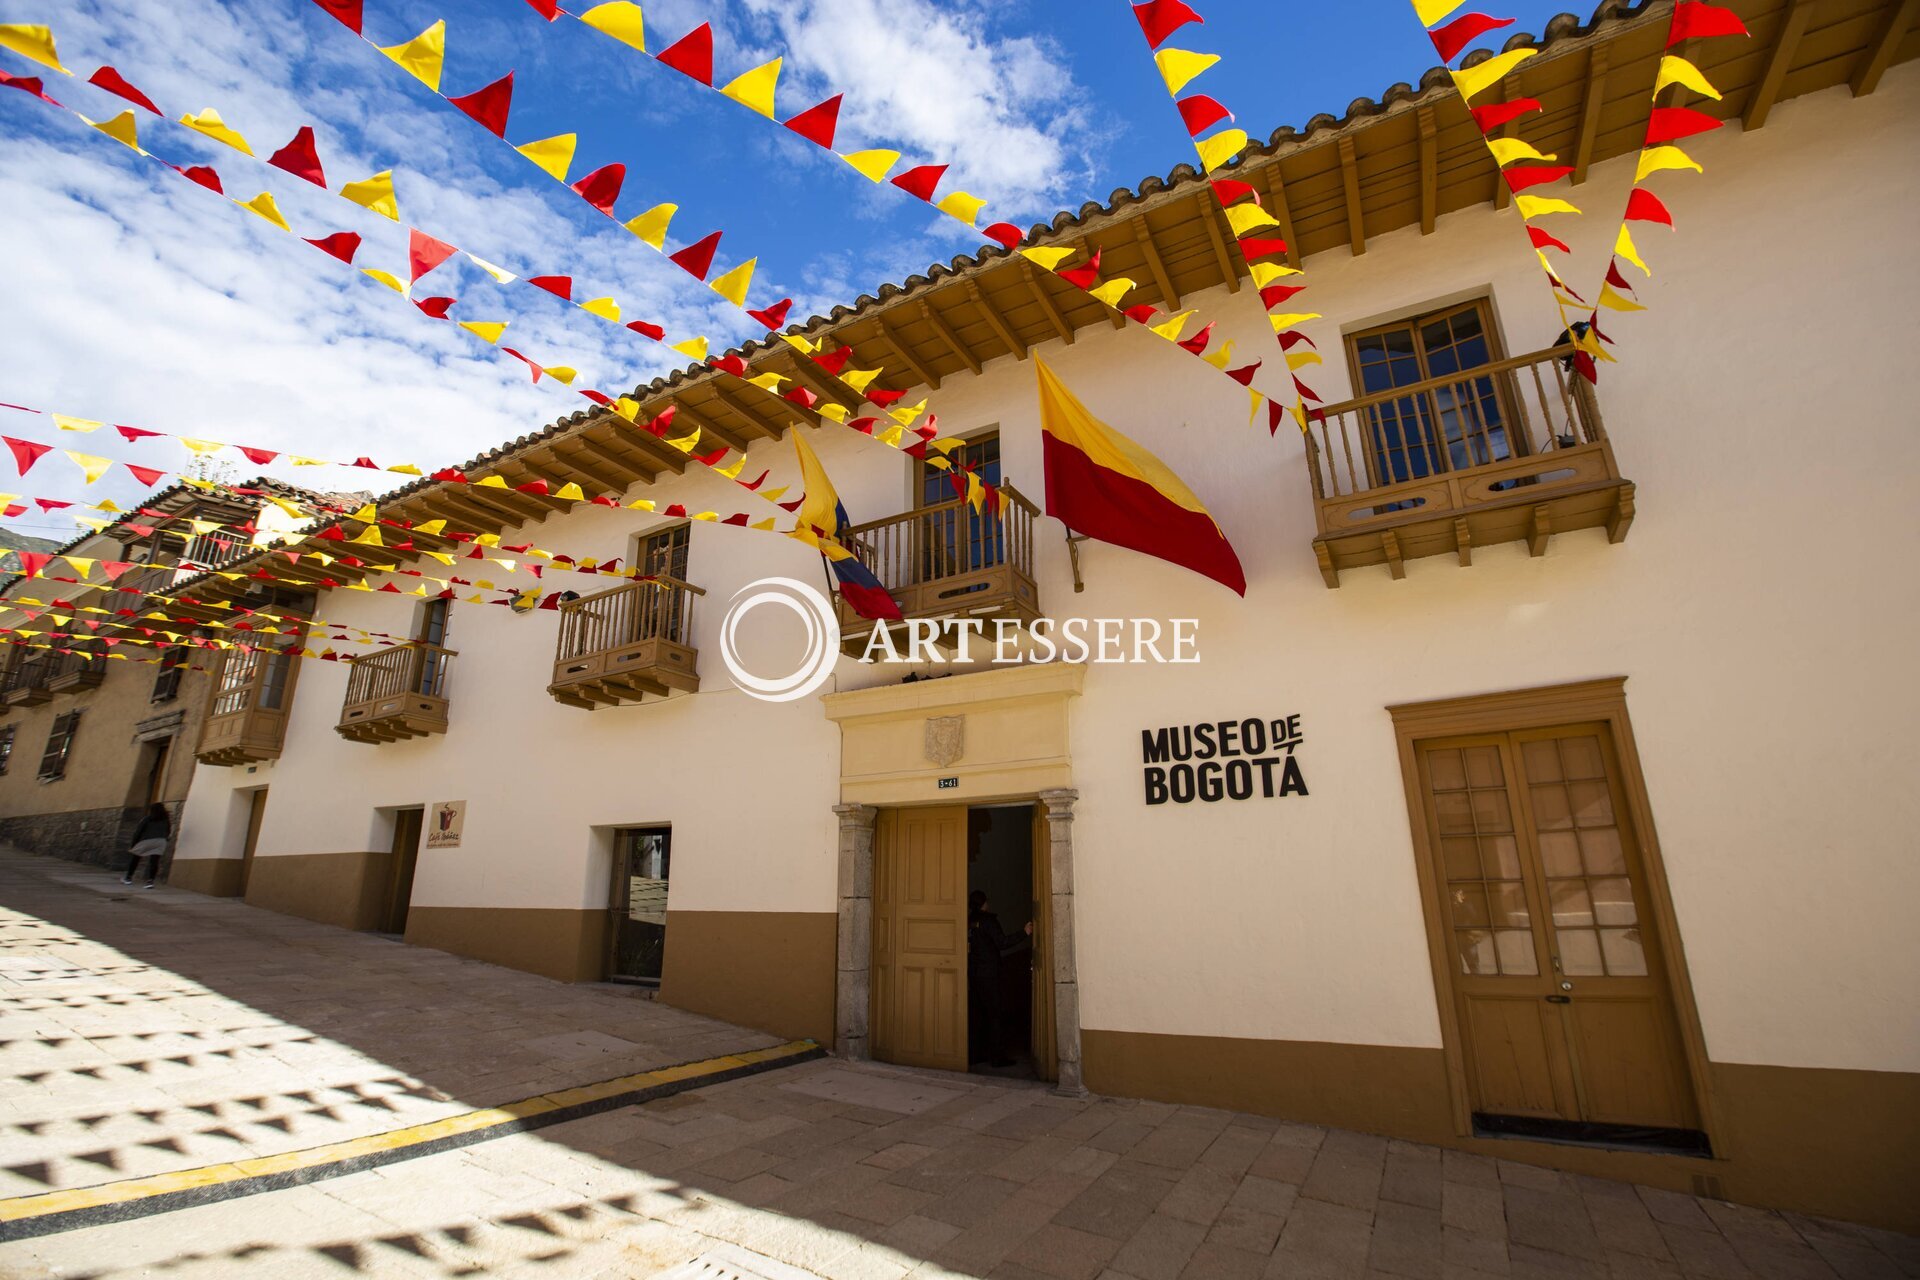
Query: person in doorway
x,y
988,945
149,841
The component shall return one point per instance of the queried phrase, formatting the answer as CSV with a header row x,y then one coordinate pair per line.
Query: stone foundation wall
x,y
95,837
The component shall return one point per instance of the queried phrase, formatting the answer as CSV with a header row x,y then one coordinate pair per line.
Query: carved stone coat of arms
x,y
946,739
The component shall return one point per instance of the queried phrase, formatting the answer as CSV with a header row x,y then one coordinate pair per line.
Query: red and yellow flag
x,y
1104,485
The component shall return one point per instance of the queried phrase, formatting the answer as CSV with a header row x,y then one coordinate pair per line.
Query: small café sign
x,y
445,821
1222,760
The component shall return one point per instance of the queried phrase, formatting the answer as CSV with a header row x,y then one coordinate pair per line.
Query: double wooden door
x,y
1561,990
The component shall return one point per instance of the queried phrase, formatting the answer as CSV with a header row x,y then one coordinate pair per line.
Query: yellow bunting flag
x,y
65,423
873,165
388,279
375,193
92,466
651,226
1049,259
83,565
962,205
33,42
1625,248
1476,80
767,382
1614,302
1113,291
121,129
621,20
1281,323
1178,66
421,56
263,205
1301,359
490,330
1532,207
1677,70
833,412
1248,217
1170,327
562,374
554,154
754,90
605,308
500,274
733,285
210,123
1265,273
369,536
571,492
860,379
1219,358
1655,159
202,447
694,349
1221,147
1508,151
627,407
1432,11
685,443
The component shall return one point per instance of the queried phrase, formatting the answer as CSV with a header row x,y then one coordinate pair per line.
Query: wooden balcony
x,y
247,708
621,645
1513,451
948,562
76,670
27,679
397,693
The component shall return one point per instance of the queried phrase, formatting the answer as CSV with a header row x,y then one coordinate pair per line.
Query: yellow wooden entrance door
x,y
919,1010
1563,999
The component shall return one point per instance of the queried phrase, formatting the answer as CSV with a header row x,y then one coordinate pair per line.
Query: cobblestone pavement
x,y
150,1032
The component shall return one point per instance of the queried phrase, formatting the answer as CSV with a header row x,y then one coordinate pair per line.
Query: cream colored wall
x,y
1761,610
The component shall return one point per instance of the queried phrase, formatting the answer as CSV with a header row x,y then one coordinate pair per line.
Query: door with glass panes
x,y
1452,427
961,540
637,905
1557,975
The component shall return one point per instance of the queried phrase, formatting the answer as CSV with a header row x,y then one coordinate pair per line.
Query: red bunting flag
x,y
26,452
259,457
1255,247
775,316
1005,233
300,158
32,562
1084,276
202,174
424,253
1201,113
558,286
1275,294
1244,374
488,106
646,329
1693,20
50,504
884,398
1495,114
1143,313
1524,176
691,55
113,82
697,258
835,361
1617,279
1198,342
145,475
921,181
548,9
346,12
1670,124
27,84
1233,191
1644,206
1161,18
818,124
730,363
802,397
1545,240
1449,40
435,307
341,244
602,187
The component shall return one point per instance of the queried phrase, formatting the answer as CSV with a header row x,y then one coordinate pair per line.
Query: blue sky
x,y
135,297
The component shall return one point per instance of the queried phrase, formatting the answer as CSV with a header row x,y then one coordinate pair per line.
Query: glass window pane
x,y
1483,767
1582,756
1463,863
1500,856
1508,903
1601,851
1456,812
1476,951
1571,906
1613,902
1579,953
1515,947
1449,774
1559,853
1469,905
1625,956
1542,761
1550,811
1490,811
1592,805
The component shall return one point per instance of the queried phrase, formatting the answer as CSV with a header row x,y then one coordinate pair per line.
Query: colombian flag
x,y
821,518
1104,485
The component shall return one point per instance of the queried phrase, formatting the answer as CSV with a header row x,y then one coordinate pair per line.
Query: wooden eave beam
x,y
609,454
1047,307
740,409
520,507
995,321
905,352
946,335
1210,214
1350,181
604,481
1429,169
1880,54
725,435
1793,25
477,516
1169,296
809,375
1590,109
655,450
1283,212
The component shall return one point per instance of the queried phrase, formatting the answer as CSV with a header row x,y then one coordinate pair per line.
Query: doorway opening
x,y
407,826
256,802
961,974
637,905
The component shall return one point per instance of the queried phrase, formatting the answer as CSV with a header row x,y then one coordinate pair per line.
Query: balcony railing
x,y
76,669
247,708
1506,452
27,678
949,561
620,645
397,693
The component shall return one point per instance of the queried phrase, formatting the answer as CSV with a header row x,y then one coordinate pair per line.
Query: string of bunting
x,y
1253,226
1667,126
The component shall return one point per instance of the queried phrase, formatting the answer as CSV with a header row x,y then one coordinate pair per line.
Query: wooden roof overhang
x,y
1337,183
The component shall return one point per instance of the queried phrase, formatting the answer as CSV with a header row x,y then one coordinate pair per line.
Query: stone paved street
x,y
143,1033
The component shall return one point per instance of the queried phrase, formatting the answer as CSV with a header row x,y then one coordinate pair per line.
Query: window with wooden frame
x,y
166,683
662,553
6,746
53,761
961,541
1453,427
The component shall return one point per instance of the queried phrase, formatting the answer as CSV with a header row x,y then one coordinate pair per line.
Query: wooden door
x,y
1563,1003
406,853
1046,1063
256,814
919,1013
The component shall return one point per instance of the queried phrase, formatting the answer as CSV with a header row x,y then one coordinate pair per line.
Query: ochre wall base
x,y
343,889
773,970
215,877
552,942
1843,1144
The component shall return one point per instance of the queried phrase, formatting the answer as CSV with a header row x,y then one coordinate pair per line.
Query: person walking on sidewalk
x,y
149,841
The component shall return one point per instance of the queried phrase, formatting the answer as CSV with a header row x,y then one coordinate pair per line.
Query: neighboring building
x,y
87,742
1564,818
